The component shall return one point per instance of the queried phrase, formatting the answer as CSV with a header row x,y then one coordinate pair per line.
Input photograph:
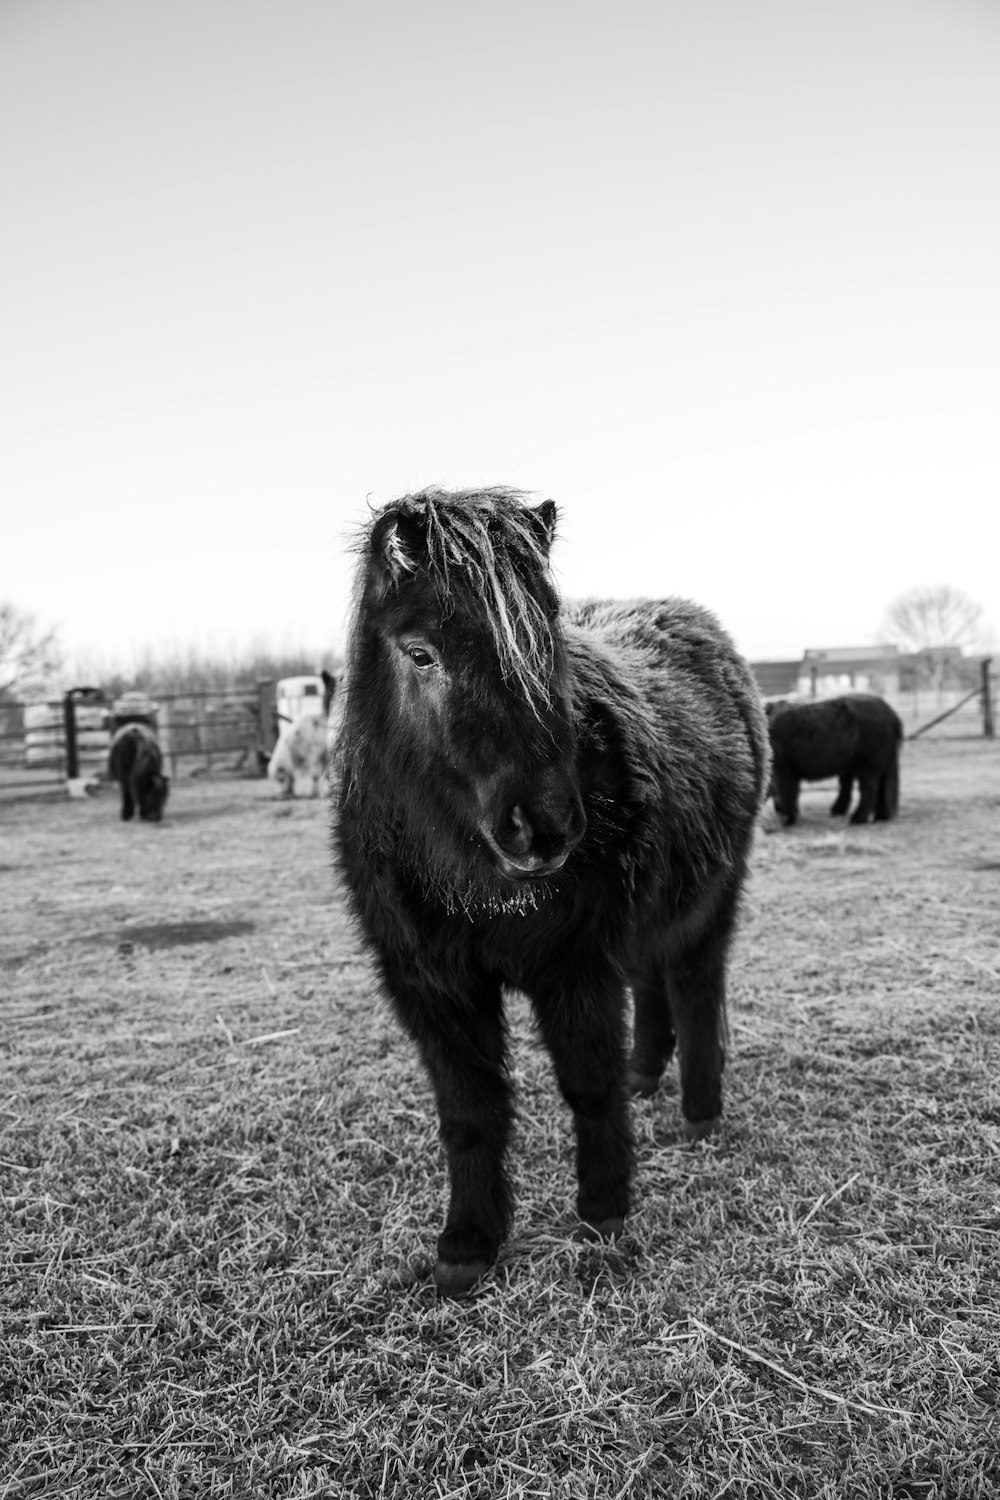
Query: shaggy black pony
x,y
556,801
134,761
856,738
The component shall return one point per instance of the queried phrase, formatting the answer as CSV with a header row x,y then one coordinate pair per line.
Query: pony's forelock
x,y
480,548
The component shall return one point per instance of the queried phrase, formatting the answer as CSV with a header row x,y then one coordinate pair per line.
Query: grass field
x,y
221,1186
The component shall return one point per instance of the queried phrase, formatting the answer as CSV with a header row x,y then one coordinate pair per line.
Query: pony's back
x,y
688,717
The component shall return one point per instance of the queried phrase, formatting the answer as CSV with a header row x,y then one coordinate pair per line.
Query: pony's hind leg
x,y
654,1036
868,784
843,802
696,987
584,1033
887,796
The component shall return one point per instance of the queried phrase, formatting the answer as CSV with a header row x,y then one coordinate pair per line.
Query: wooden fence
x,y
45,745
962,711
233,731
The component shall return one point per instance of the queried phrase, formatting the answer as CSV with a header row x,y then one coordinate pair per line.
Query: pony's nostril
x,y
517,833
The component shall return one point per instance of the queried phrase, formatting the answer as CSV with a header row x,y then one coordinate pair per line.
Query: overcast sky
x,y
720,277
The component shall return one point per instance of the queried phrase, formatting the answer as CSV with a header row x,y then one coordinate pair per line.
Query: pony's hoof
x,y
700,1130
457,1278
607,1229
643,1084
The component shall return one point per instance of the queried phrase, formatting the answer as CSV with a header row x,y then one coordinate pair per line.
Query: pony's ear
x,y
543,521
397,542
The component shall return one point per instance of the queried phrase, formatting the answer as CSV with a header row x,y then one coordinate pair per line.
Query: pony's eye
x,y
420,657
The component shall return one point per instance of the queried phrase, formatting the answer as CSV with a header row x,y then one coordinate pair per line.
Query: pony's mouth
x,y
527,866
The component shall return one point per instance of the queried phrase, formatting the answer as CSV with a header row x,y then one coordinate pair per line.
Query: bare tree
x,y
934,622
26,652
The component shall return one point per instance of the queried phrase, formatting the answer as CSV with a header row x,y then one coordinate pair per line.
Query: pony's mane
x,y
482,548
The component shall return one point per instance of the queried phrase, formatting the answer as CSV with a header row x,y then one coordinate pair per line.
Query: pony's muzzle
x,y
530,842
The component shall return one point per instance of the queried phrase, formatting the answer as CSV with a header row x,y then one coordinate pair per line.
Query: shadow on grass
x,y
181,934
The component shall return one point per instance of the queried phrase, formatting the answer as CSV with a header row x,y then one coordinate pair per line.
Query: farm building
x,y
777,677
839,669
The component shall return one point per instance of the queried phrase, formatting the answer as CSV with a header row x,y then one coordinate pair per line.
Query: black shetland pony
x,y
135,761
558,801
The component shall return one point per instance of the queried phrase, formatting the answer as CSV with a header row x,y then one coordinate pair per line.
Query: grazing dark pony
x,y
134,761
856,737
558,802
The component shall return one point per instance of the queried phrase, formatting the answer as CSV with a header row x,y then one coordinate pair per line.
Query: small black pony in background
x,y
559,802
135,762
856,737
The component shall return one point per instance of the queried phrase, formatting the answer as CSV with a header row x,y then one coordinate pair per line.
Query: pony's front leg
x,y
786,802
585,1035
463,1046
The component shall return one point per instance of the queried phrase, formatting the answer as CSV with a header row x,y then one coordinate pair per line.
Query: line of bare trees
x,y
31,663
935,623
27,652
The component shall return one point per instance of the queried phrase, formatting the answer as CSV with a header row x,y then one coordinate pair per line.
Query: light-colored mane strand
x,y
483,544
